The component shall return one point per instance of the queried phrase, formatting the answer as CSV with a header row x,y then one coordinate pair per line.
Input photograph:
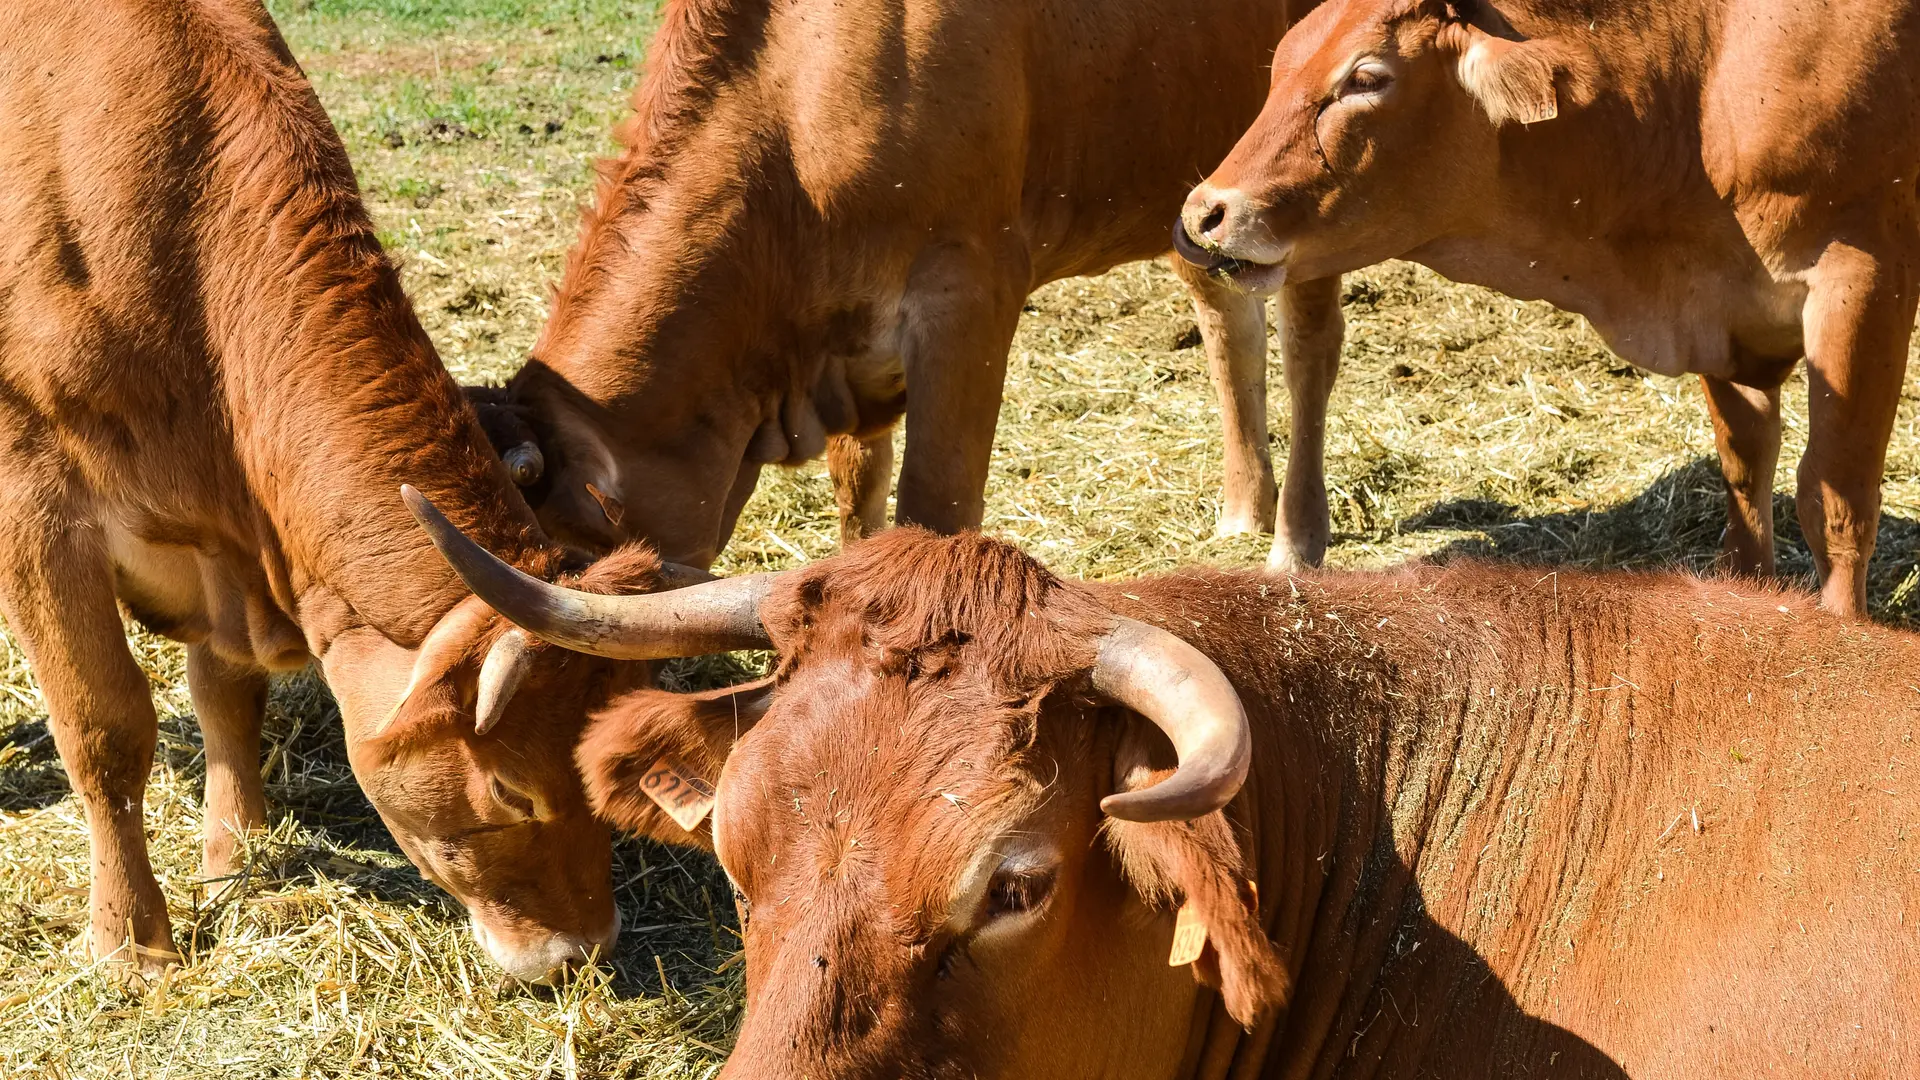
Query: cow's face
x,y
924,892
499,820
1381,133
911,815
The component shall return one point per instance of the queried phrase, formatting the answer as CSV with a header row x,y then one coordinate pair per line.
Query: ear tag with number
x,y
685,799
1189,937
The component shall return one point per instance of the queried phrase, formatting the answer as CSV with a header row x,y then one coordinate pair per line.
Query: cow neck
x,y
1356,723
1392,708
1396,710
335,394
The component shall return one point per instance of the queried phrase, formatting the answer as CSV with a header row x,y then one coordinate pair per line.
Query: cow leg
x,y
862,472
55,585
1859,315
1233,330
960,311
230,702
1746,428
1312,330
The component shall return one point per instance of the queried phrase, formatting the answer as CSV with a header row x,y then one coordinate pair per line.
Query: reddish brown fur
x,y
1721,187
1471,823
822,205
214,387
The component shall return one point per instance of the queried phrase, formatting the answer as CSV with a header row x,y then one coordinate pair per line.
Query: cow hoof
x,y
135,968
1241,525
1286,558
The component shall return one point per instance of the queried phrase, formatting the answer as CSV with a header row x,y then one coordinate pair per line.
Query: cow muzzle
x,y
544,957
1220,232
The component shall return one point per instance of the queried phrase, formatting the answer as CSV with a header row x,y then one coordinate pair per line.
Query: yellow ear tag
x,y
1189,937
685,799
1540,111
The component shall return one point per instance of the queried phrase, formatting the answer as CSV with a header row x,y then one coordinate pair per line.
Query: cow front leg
x,y
1859,315
231,702
961,306
55,587
862,472
1746,429
1312,331
1233,331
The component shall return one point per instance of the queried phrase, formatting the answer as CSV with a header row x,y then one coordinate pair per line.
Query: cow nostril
x,y
1216,216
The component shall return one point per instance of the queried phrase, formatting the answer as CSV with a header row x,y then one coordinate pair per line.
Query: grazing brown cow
x,y
1434,822
831,212
1719,186
212,388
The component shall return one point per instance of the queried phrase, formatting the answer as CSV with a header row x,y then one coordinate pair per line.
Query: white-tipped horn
x,y
501,674
1186,695
717,616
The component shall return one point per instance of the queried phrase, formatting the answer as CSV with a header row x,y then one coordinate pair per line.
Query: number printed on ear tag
x,y
685,799
1189,937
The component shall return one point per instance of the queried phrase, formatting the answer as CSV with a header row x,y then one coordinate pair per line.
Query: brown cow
x,y
1719,186
830,212
1495,821
212,388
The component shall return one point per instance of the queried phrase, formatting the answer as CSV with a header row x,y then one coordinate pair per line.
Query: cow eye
x,y
511,799
1015,892
1366,79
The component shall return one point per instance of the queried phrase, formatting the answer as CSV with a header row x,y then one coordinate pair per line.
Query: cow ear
x,y
441,666
1199,866
1514,81
652,758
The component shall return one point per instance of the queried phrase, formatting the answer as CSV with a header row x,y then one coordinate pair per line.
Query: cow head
x,y
708,323
957,817
1381,132
464,745
687,433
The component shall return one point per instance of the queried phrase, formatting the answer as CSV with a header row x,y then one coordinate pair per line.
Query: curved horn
x,y
717,616
1187,696
679,575
525,463
501,673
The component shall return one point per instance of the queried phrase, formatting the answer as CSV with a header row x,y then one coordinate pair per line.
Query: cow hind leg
x,y
862,472
230,701
55,586
1746,428
1859,316
1312,331
1233,331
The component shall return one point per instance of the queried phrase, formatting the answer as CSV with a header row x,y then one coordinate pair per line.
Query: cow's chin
x,y
546,958
1256,279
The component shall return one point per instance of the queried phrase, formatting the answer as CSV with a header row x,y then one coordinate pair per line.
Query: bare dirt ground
x,y
1465,424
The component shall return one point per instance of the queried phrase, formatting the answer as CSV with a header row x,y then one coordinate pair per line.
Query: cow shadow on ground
x,y
34,779
1677,521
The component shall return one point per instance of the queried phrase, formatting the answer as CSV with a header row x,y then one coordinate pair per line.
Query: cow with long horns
x,y
1458,821
211,385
